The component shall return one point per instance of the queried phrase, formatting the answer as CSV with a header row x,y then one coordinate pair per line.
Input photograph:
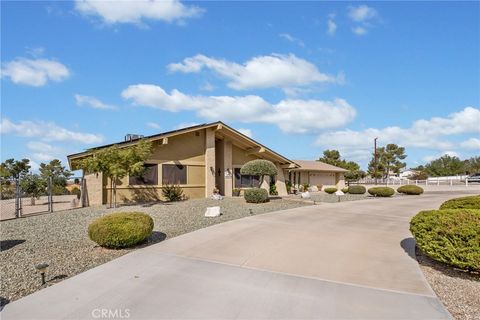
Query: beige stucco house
x,y
200,159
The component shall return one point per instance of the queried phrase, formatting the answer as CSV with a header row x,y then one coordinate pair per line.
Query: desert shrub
x,y
121,229
451,236
381,191
256,195
59,190
76,191
7,191
306,186
273,190
330,190
471,202
288,185
172,192
345,190
357,189
411,190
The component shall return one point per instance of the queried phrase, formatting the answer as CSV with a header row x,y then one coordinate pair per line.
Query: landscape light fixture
x,y
42,269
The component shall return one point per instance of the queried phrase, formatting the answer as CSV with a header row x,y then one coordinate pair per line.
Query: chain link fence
x,y
17,199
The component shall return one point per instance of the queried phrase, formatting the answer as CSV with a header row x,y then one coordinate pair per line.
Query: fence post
x,y
18,200
50,197
438,181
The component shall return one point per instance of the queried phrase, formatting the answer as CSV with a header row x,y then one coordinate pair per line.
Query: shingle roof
x,y
312,165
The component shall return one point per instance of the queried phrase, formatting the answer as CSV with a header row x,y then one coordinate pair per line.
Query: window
x,y
148,177
174,174
245,181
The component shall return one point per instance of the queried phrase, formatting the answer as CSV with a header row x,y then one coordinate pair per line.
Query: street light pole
x,y
375,159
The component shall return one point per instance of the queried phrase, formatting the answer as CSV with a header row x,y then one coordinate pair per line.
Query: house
x,y
199,159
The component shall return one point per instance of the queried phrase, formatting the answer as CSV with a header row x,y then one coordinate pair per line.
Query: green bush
x,y
121,229
259,167
357,189
381,191
76,191
471,202
273,190
330,190
172,192
256,195
410,190
345,190
451,236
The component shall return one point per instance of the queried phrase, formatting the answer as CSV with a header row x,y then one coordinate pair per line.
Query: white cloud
x,y
291,39
423,134
275,70
472,143
331,25
153,125
34,72
246,132
92,102
359,31
137,12
47,131
290,115
361,13
207,86
43,151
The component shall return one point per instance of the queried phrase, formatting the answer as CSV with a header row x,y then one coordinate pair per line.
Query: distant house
x,y
201,158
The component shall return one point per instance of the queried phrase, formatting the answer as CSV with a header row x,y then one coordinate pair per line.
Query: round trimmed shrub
x,y
451,236
381,191
472,202
345,190
121,229
410,190
357,189
259,167
256,195
330,190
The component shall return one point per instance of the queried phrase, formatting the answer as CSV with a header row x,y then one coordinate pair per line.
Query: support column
x,y
209,162
228,168
280,183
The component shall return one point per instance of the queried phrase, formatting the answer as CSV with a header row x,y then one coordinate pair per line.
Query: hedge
x,y
121,229
410,190
381,191
256,195
451,236
345,190
357,189
330,190
471,202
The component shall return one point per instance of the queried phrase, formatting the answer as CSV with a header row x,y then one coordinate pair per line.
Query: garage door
x,y
323,178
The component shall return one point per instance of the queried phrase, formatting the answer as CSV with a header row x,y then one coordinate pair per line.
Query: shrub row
x,y
451,236
330,190
357,190
410,190
381,191
471,202
121,229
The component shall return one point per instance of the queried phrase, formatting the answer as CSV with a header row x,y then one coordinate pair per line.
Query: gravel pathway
x,y
459,291
60,238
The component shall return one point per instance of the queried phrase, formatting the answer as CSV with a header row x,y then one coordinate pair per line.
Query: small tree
x,y
446,165
58,173
259,168
388,160
116,163
33,186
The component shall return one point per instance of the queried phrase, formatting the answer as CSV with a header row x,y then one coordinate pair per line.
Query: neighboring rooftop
x,y
313,165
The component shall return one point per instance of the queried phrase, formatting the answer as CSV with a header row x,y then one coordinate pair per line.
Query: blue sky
x,y
300,77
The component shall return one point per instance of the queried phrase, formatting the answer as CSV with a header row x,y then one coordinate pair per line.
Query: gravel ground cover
x,y
458,290
60,238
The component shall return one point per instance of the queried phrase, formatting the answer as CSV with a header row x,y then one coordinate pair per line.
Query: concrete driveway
x,y
331,261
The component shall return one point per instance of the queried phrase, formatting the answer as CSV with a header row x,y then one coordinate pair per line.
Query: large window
x,y
245,181
174,174
148,177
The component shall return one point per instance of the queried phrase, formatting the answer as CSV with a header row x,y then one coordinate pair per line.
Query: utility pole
x,y
375,159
